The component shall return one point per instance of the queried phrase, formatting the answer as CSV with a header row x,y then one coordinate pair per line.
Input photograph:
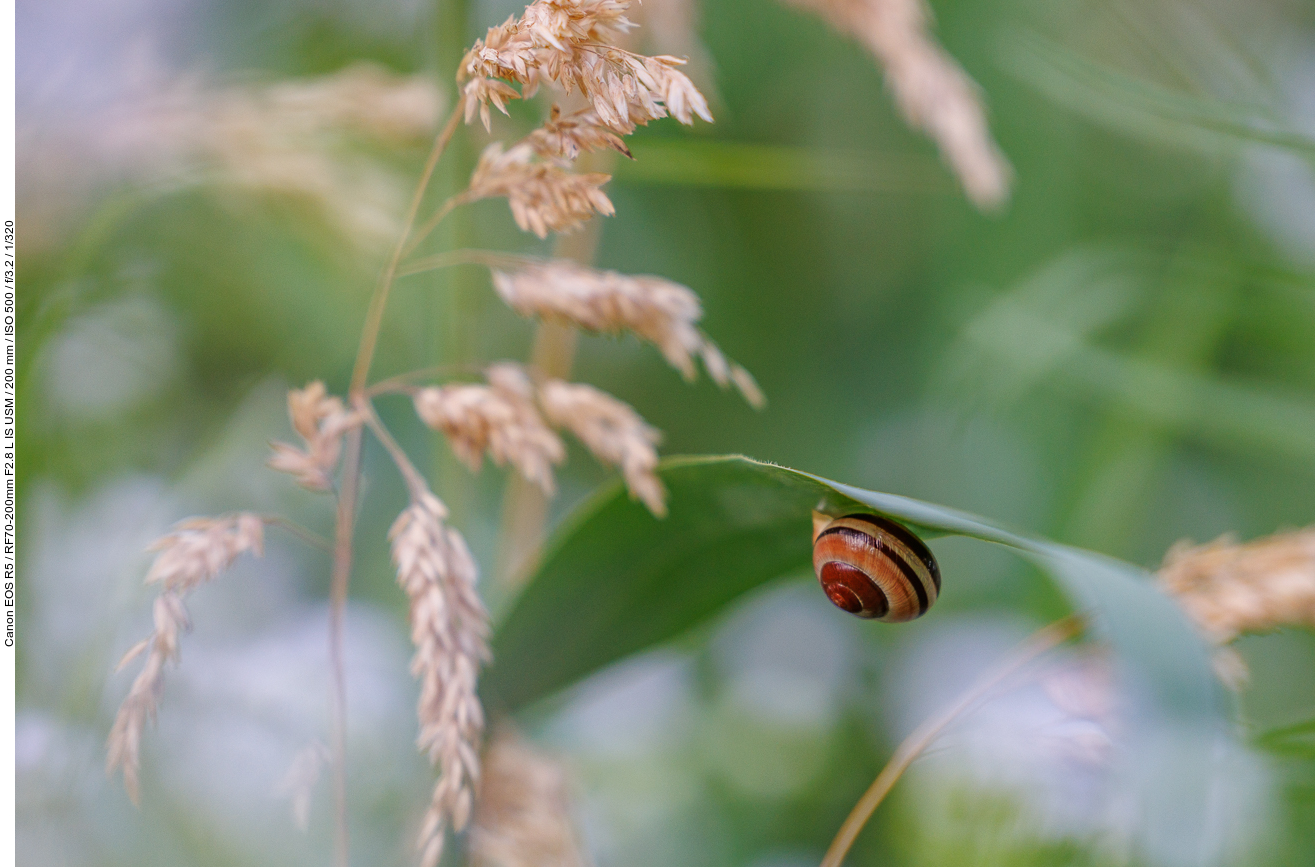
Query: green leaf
x,y
614,580
1297,739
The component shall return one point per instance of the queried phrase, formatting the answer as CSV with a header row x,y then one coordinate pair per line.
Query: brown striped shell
x,y
874,568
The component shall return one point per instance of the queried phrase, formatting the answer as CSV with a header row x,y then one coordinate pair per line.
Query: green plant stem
x,y
1041,641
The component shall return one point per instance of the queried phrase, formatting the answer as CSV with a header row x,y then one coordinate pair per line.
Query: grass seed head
x,y
449,629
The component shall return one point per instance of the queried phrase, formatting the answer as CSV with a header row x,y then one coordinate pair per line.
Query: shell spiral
x,y
875,568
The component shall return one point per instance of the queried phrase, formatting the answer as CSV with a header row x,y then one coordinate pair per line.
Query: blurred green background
x,y
1122,357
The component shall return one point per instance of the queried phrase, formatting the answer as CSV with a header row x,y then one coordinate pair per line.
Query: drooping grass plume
x,y
296,140
543,196
654,309
198,550
449,628
568,136
511,419
933,92
613,432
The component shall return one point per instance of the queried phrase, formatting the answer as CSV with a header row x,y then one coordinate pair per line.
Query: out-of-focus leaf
x,y
776,167
1297,740
1032,345
1048,329
614,580
1109,96
1229,412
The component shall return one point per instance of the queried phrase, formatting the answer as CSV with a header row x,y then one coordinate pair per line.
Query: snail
x,y
873,567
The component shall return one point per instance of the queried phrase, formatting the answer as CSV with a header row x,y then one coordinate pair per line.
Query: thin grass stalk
x,y
431,224
379,301
346,515
401,383
292,528
415,483
1045,639
342,570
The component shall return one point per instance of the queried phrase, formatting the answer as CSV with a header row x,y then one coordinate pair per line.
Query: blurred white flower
x,y
111,359
786,662
1075,751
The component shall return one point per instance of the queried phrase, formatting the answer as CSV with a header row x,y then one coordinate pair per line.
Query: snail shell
x,y
874,568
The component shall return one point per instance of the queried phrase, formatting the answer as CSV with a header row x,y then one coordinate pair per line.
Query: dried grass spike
x,y
573,45
543,196
933,92
571,135
500,419
1230,588
198,550
449,629
613,432
479,93
654,309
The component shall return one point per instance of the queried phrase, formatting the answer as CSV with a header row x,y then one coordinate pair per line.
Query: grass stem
x,y
342,568
346,516
379,301
1041,641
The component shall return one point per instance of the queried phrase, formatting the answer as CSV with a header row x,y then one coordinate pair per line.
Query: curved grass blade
x,y
1296,740
1109,96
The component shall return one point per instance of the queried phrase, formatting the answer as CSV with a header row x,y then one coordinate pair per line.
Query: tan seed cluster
x,y
512,421
568,136
320,420
499,418
932,91
543,196
480,93
449,628
1229,588
523,813
572,45
613,432
657,310
197,551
